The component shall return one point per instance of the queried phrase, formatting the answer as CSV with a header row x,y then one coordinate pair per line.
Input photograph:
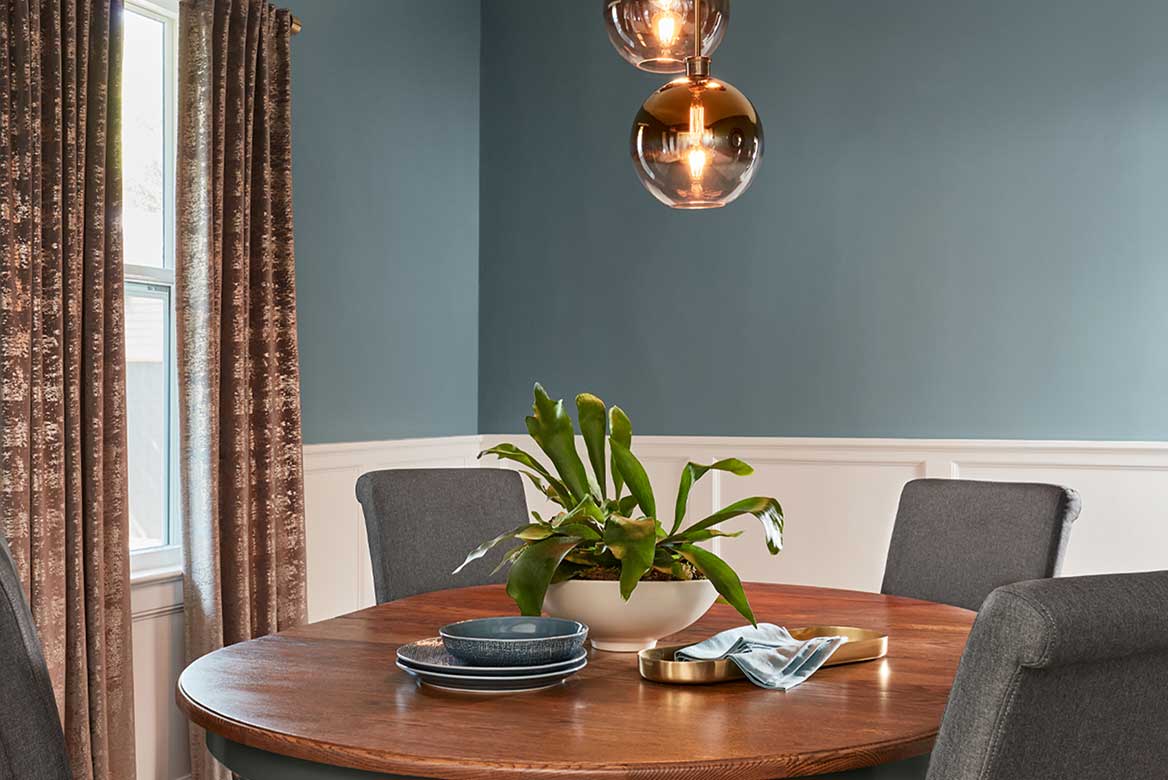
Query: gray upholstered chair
x,y
422,522
1061,679
955,540
32,745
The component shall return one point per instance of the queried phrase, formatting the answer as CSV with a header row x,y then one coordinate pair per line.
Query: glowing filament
x,y
697,162
697,122
696,156
667,29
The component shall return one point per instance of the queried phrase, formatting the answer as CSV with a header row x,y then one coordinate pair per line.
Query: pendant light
x,y
658,35
697,141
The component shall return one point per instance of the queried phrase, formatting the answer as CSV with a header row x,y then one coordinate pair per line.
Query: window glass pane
x,y
144,140
147,412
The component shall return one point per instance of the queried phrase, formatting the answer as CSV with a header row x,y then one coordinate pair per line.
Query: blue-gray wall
x,y
960,227
385,149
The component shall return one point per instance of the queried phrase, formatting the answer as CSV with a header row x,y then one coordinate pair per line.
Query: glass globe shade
x,y
696,143
657,35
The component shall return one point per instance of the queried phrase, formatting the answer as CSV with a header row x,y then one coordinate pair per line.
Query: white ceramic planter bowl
x,y
655,610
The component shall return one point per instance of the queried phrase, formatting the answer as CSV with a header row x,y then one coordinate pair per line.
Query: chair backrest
x,y
422,523
1062,678
32,744
955,540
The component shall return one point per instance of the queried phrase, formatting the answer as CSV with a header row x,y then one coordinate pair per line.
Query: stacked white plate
x,y
429,662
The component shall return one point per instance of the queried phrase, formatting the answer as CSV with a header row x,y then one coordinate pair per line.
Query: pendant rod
x,y
697,28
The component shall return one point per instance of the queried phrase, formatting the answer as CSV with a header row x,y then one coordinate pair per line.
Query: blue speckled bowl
x,y
514,641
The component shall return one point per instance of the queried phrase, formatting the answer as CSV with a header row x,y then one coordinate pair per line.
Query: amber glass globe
x,y
657,35
696,143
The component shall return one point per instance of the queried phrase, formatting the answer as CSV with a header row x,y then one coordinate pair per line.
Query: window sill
x,y
160,574
155,562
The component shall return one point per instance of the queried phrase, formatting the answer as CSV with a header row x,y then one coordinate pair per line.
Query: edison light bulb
x,y
667,28
695,137
666,25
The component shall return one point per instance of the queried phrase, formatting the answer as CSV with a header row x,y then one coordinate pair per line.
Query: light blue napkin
x,y
768,655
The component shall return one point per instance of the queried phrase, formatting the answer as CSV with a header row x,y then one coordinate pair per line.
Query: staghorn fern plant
x,y
596,534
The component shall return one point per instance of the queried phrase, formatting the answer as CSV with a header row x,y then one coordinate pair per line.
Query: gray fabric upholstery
x,y
955,540
1063,679
32,745
422,522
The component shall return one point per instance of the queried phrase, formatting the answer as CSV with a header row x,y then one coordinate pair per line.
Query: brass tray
x,y
657,663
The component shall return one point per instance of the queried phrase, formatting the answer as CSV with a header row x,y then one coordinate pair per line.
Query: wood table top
x,y
329,693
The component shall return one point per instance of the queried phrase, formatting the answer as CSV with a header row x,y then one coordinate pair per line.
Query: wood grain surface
x,y
329,693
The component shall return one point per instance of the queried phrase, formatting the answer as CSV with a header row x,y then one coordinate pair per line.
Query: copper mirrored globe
x,y
657,35
696,143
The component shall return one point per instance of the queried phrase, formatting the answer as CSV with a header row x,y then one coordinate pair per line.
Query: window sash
x,y
160,281
169,552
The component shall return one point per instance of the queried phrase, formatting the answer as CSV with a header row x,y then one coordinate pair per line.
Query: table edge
x,y
751,768
763,767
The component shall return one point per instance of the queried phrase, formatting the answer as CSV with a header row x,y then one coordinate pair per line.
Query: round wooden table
x,y
325,702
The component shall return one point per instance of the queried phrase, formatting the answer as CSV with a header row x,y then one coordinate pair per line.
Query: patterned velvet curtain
x,y
63,492
238,364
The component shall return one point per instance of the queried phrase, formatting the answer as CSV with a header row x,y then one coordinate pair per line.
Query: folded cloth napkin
x,y
768,655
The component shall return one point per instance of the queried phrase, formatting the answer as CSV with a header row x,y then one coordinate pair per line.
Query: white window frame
x,y
167,558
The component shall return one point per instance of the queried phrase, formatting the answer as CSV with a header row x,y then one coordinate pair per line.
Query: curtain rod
x,y
296,26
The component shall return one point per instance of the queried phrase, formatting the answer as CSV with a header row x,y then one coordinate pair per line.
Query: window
x,y
149,89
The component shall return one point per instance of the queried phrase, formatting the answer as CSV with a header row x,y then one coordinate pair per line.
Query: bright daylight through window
x,y
148,145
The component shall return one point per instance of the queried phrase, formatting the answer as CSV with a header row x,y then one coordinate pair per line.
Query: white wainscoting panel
x,y
1124,524
340,576
840,495
160,730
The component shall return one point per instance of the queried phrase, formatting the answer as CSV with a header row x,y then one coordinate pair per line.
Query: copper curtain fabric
x,y
239,375
63,489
